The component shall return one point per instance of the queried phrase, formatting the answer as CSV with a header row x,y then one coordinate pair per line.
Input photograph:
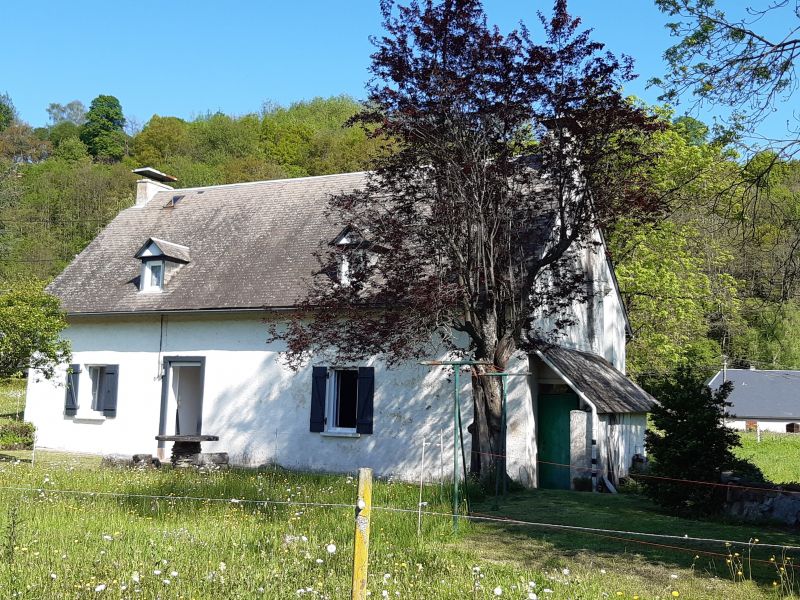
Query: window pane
x,y
347,394
96,373
155,275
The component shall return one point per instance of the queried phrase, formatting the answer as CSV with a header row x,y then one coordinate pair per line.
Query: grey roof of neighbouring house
x,y
252,245
597,379
762,394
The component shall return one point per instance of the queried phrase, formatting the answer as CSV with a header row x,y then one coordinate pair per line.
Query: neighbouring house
x,y
766,400
167,311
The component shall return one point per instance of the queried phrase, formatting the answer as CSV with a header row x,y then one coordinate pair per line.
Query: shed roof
x,y
762,394
252,246
597,379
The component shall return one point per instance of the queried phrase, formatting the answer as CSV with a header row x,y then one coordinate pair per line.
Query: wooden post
x,y
456,423
361,540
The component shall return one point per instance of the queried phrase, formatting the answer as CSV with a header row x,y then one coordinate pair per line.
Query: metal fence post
x,y
361,539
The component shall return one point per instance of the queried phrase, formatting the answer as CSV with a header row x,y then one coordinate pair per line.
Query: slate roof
x,y
602,383
762,394
251,246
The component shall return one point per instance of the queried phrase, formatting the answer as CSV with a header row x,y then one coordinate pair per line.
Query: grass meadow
x,y
777,454
72,528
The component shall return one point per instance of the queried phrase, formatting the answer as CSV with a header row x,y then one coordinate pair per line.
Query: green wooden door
x,y
553,439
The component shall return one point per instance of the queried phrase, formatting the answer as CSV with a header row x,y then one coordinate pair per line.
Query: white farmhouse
x,y
768,400
167,310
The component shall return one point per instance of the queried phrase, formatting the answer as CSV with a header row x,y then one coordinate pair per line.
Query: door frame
x,y
564,395
165,383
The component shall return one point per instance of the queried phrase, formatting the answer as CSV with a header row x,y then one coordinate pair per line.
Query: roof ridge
x,y
243,183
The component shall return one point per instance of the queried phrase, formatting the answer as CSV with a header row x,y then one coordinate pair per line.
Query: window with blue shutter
x,y
342,400
366,393
108,390
319,384
71,394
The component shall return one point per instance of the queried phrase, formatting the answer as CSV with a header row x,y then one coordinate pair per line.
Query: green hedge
x,y
16,435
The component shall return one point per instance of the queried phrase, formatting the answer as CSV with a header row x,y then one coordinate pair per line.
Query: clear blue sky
x,y
185,58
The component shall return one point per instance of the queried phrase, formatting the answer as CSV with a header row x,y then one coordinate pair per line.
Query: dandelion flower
x,y
676,593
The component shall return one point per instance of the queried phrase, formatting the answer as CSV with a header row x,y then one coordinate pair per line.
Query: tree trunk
x,y
487,442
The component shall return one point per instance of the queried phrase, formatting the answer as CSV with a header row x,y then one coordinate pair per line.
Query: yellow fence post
x,y
361,541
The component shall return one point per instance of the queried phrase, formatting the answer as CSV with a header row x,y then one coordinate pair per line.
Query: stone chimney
x,y
153,182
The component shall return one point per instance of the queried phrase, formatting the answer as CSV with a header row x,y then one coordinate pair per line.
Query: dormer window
x,y
356,254
153,280
160,260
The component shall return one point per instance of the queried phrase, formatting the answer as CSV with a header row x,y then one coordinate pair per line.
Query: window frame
x,y
88,397
332,401
147,276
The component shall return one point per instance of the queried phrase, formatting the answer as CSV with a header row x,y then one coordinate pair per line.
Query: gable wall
x,y
599,324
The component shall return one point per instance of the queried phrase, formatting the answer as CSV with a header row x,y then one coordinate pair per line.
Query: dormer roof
x,y
158,248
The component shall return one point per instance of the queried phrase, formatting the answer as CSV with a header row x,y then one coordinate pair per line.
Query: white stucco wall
x,y
776,425
598,324
258,408
623,437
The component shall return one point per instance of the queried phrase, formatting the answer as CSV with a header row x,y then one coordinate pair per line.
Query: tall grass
x,y
777,455
89,532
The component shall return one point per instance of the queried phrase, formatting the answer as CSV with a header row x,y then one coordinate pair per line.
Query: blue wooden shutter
x,y
366,392
71,397
108,390
319,384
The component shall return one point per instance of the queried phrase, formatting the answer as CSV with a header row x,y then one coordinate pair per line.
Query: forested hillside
x,y
716,277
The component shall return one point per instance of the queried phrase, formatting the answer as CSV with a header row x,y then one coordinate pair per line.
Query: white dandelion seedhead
x,y
100,588
498,591
331,548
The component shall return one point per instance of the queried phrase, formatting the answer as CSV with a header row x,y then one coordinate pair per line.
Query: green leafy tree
x,y
673,295
72,150
31,322
7,111
689,442
161,139
103,132
73,112
310,137
63,131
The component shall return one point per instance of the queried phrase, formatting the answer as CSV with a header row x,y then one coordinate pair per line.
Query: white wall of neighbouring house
x,y
260,409
777,425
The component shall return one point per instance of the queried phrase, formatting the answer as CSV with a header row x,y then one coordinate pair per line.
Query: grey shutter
x,y
366,393
319,384
71,396
108,390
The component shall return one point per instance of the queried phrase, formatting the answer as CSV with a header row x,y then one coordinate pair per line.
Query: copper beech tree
x,y
504,155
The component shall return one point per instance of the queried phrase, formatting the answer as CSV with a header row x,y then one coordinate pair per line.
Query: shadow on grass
x,y
13,458
628,513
